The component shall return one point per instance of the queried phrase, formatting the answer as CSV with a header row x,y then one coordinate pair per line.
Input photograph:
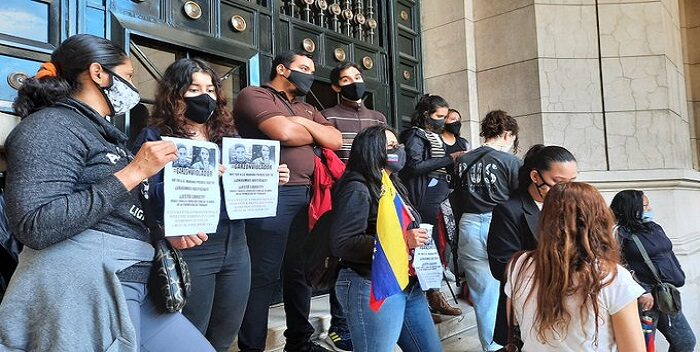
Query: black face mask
x,y
436,125
544,183
396,159
200,108
302,81
453,128
353,91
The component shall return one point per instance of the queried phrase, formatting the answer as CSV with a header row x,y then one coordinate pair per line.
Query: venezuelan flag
x,y
390,262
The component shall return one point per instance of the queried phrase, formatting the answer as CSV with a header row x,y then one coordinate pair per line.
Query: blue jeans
x,y
483,288
404,318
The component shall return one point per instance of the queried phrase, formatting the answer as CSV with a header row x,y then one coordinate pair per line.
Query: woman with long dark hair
x,y
633,212
190,103
75,193
514,225
404,317
426,173
570,293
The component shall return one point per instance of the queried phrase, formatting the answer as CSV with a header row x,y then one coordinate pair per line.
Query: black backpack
x,y
320,267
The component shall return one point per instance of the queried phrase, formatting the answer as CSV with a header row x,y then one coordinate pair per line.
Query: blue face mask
x,y
647,216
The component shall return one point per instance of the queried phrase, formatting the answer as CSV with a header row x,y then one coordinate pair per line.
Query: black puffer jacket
x,y
660,251
419,163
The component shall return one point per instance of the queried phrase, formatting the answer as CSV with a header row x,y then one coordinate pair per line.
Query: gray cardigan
x,y
60,180
67,297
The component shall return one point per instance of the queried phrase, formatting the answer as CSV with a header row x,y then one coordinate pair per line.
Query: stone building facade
x,y
615,81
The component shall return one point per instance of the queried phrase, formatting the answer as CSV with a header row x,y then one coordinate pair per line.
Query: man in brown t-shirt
x,y
275,112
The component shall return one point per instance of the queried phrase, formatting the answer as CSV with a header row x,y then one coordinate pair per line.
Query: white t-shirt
x,y
611,299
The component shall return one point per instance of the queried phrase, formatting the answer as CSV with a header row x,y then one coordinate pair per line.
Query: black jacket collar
x,y
532,213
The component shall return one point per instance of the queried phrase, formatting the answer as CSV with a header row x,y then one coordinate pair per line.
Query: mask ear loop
x,y
544,183
102,89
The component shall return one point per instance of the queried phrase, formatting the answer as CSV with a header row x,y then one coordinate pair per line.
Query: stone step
x,y
463,326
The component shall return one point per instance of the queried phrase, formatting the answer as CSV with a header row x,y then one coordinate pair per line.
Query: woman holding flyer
x,y
190,103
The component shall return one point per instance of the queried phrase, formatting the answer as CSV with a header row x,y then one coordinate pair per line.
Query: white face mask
x,y
120,94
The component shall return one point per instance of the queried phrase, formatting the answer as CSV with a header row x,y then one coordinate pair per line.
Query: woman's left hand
x,y
284,174
646,301
222,170
185,242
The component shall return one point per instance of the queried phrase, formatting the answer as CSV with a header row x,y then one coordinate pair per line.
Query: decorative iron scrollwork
x,y
192,10
335,9
353,18
16,79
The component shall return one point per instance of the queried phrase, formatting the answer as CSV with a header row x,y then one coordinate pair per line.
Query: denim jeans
x,y
220,273
403,319
338,322
483,288
675,329
275,245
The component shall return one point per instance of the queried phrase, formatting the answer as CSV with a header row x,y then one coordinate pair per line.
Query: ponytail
x,y
58,79
541,158
36,94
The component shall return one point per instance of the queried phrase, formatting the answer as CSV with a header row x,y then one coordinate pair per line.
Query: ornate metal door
x,y
382,36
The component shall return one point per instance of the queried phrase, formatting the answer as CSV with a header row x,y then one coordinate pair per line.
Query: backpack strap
x,y
647,260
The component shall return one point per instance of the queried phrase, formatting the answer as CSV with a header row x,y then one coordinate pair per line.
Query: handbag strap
x,y
510,312
647,260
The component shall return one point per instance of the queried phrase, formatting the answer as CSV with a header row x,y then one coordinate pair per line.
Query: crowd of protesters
x,y
545,263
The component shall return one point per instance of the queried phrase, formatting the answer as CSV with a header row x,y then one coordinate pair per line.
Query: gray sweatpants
x,y
157,331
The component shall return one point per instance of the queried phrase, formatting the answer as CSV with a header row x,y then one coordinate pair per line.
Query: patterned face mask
x,y
120,94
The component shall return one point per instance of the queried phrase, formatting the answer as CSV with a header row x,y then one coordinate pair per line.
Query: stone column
x,y
569,78
690,30
643,85
449,63
506,63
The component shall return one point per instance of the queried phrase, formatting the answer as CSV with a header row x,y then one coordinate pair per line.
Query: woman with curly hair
x,y
571,294
488,175
190,103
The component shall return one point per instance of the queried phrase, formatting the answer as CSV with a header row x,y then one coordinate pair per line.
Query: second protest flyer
x,y
251,178
191,189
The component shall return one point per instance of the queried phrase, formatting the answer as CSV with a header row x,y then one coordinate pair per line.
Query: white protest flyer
x,y
251,178
426,262
191,188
